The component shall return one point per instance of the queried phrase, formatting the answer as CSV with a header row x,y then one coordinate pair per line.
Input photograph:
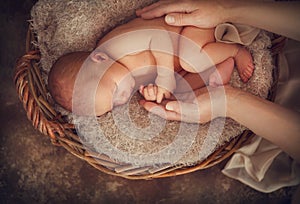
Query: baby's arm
x,y
192,57
159,42
161,47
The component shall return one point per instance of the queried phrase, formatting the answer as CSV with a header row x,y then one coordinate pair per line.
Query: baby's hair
x,y
62,77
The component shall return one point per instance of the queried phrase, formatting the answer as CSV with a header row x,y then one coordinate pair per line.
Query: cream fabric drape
x,y
262,165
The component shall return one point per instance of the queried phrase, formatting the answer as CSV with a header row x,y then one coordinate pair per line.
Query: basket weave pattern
x,y
33,94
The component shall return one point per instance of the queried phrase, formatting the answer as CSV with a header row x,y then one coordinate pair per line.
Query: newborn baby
x,y
144,52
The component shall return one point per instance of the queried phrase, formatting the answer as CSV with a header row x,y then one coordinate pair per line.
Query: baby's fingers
x,y
161,94
149,92
152,91
159,97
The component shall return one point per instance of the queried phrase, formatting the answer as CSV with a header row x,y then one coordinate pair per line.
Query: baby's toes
x,y
244,77
249,71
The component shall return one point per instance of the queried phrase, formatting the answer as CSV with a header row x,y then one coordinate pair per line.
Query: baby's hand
x,y
154,93
161,94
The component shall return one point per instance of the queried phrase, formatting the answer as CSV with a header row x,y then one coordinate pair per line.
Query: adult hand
x,y
268,15
204,14
208,103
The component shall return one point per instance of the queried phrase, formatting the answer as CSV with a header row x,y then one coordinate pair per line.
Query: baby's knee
x,y
192,58
194,61
187,54
186,65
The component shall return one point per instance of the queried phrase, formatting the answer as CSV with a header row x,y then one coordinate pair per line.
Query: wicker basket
x,y
33,94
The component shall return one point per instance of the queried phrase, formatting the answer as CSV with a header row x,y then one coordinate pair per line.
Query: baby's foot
x,y
222,74
244,64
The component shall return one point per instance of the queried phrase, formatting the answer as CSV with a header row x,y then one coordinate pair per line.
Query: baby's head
x,y
62,77
113,88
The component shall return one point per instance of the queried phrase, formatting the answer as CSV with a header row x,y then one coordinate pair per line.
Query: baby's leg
x,y
244,64
212,76
219,52
191,57
195,59
191,81
222,74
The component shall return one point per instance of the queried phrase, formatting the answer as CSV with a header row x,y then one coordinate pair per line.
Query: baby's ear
x,y
98,56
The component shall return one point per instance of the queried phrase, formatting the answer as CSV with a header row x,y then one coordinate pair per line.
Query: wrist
x,y
233,96
231,10
225,8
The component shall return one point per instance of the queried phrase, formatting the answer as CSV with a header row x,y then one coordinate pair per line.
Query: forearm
x,y
165,78
266,119
277,17
161,47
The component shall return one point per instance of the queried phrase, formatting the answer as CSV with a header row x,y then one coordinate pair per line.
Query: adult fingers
x,y
165,7
180,19
185,109
185,112
189,112
160,110
147,8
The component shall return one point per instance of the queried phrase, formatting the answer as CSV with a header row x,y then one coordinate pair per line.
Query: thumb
x,y
188,112
180,19
182,107
173,106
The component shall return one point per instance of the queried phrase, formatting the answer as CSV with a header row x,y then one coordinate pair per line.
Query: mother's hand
x,y
203,14
209,103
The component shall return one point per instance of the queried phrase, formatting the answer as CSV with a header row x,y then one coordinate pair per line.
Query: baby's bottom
x,y
213,76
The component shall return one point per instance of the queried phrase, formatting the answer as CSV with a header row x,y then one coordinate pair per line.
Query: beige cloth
x,y
235,33
262,165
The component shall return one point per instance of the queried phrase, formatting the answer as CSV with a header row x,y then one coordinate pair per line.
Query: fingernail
x,y
170,19
169,107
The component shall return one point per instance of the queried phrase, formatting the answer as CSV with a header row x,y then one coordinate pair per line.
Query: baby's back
x,y
139,24
131,41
